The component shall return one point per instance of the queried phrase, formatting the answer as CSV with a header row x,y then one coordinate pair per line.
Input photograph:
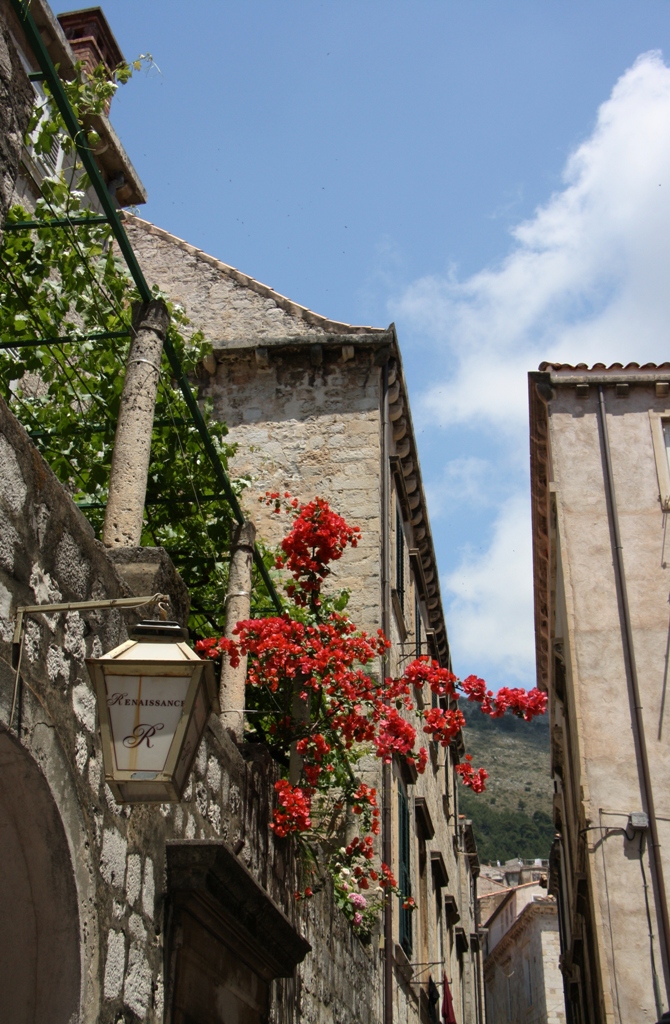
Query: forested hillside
x,y
512,818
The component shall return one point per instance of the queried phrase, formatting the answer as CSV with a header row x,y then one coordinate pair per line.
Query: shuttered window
x,y
404,868
399,560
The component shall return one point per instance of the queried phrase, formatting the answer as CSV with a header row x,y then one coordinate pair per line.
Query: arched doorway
x,y
40,970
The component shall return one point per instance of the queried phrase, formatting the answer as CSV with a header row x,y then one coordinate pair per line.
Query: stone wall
x,y
301,398
117,854
522,976
16,100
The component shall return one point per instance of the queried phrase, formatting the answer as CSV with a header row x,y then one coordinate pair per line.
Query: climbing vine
x,y
65,312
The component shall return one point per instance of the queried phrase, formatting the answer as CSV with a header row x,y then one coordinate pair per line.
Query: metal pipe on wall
x,y
637,717
387,781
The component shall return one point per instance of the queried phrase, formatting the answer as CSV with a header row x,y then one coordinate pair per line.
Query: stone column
x,y
132,444
238,604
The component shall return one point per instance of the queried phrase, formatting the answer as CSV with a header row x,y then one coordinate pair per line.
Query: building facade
x,y
186,911
521,967
600,490
318,407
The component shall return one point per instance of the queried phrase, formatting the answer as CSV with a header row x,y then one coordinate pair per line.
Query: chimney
x,y
91,38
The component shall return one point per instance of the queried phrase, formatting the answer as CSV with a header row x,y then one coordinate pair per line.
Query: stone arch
x,y
40,969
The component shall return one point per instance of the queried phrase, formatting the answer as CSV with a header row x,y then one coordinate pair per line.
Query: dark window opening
x,y
404,877
399,559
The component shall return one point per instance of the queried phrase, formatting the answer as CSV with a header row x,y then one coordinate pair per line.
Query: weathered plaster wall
x,y
594,753
47,553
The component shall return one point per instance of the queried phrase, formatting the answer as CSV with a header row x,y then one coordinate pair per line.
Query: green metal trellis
x,y
111,216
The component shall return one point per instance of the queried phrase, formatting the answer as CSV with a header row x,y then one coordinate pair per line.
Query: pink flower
x,y
358,901
358,918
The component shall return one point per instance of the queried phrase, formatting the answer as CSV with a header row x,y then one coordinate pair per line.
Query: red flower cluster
x,y
395,735
214,647
320,657
292,814
317,538
522,703
387,880
476,780
443,724
365,798
440,680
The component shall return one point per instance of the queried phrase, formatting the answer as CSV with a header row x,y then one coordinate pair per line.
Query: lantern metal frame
x,y
136,785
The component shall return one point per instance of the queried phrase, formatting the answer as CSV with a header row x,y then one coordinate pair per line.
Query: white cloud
x,y
490,605
586,280
462,481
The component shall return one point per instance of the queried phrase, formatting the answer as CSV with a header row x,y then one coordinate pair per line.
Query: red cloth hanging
x,y
448,1015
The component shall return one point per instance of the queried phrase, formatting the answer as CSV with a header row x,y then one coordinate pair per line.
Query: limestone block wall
x,y
312,431
523,980
222,301
114,856
301,397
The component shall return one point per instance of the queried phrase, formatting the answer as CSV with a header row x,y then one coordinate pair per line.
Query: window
x,y
48,163
660,434
399,560
439,928
404,866
417,626
528,975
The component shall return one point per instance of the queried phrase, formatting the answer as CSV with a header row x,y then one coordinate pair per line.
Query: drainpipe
x,y
634,688
387,847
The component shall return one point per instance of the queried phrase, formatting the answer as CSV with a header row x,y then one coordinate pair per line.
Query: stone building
x,y
320,407
185,911
600,492
521,958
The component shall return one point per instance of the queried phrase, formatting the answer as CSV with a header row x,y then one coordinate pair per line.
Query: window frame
x,y
404,867
656,422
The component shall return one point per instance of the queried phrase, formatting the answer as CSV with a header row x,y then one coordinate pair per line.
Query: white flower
x,y
345,872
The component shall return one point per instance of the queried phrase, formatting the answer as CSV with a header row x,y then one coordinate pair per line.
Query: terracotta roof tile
x,y
600,367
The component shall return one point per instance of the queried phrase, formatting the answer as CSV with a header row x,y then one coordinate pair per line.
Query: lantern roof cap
x,y
157,630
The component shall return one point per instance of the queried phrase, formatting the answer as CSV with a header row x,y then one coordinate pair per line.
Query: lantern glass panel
x,y
144,712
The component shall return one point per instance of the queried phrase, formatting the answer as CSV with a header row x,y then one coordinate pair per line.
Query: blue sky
x,y
490,175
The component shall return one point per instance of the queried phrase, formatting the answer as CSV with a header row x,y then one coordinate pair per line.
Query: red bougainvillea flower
x,y
319,658
443,725
293,810
214,647
475,780
317,538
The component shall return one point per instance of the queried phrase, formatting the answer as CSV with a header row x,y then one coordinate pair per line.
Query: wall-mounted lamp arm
x,y
68,606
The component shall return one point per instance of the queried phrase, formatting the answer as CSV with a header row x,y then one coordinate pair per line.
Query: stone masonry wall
x,y
16,100
303,404
48,553
224,303
313,431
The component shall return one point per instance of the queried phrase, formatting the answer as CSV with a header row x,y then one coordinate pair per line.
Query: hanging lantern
x,y
154,698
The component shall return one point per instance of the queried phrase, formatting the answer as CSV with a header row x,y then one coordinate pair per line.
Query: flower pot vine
x,y
320,708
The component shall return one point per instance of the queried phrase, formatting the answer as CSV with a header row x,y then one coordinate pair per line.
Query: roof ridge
x,y
600,367
294,308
